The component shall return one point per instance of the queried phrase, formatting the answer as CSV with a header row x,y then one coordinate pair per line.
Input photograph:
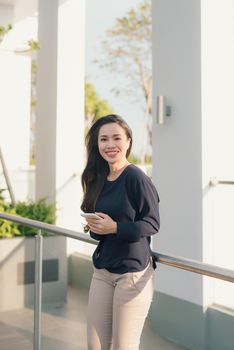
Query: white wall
x,y
15,89
6,15
218,141
15,73
177,143
193,68
24,8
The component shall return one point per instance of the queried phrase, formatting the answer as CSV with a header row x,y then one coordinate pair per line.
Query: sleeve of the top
x,y
95,236
147,223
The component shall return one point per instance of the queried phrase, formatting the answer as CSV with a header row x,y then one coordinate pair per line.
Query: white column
x,y
177,144
193,68
60,118
46,101
218,142
70,111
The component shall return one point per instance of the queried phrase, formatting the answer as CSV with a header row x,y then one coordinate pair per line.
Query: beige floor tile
x,y
63,327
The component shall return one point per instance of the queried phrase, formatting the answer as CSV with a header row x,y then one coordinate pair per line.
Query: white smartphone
x,y
90,215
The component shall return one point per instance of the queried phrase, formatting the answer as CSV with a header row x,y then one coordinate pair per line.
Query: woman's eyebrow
x,y
110,135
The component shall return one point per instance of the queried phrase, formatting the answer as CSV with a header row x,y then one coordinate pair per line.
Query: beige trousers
x,y
117,308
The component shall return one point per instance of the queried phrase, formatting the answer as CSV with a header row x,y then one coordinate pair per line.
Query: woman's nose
x,y
110,144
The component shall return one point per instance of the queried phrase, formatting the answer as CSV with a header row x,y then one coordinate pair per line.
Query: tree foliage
x,y
4,30
95,107
128,49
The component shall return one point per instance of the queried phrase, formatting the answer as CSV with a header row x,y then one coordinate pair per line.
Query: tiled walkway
x,y
63,328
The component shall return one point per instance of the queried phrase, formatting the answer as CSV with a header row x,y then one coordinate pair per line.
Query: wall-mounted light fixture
x,y
162,109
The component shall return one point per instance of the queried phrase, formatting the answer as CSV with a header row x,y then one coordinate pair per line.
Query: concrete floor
x,y
63,327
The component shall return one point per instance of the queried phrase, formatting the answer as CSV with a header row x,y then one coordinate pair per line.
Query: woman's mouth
x,y
111,153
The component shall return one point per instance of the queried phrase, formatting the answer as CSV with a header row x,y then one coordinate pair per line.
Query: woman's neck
x,y
116,169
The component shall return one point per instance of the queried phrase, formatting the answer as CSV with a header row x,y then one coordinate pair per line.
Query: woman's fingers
x,y
104,225
102,215
93,220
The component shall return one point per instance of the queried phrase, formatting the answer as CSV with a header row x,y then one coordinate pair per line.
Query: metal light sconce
x,y
162,109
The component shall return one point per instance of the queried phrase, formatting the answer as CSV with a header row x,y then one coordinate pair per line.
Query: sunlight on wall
x,y
15,72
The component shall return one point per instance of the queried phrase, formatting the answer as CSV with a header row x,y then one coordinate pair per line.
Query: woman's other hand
x,y
103,226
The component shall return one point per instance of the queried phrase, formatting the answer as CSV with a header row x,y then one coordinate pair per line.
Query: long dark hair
x,y
97,168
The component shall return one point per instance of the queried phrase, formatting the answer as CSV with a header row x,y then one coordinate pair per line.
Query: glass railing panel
x,y
64,302
16,293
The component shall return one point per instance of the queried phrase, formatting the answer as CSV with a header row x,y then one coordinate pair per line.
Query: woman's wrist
x,y
115,227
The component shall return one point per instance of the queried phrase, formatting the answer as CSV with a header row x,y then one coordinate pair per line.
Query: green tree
x,y
4,30
95,107
128,49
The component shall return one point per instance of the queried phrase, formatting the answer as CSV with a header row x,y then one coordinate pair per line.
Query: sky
x,y
101,16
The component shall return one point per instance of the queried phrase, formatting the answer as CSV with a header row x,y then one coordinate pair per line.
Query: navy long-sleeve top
x,y
132,201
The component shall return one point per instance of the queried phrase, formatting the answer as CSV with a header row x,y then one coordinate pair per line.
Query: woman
x,y
126,202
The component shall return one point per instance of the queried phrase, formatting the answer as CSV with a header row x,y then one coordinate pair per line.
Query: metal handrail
x,y
196,267
214,182
48,227
178,262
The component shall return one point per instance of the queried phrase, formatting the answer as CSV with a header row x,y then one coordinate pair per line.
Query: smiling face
x,y
113,144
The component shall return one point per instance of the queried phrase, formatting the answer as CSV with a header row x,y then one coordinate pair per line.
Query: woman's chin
x,y
111,161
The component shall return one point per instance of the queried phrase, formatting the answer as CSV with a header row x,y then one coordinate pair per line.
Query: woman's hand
x,y
103,226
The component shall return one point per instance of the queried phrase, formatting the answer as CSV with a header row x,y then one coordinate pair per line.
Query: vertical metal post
x,y
37,291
